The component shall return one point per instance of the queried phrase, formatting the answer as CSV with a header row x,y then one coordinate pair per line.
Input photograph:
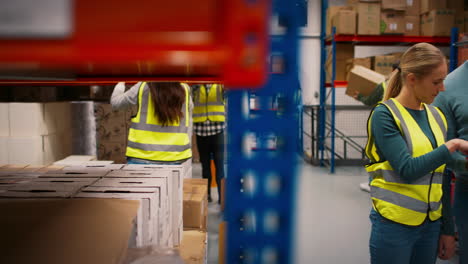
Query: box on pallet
x,y
147,216
363,80
368,18
437,22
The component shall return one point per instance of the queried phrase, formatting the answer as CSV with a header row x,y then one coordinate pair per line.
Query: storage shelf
x,y
338,84
389,39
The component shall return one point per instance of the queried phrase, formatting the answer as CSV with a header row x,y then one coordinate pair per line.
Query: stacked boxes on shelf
x,y
157,188
35,133
404,17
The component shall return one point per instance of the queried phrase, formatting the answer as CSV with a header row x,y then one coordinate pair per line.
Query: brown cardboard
x,y
392,22
363,80
331,11
429,5
368,18
437,22
460,21
344,51
412,26
222,242
383,64
114,130
399,5
365,62
413,7
65,230
110,150
345,22
458,5
193,247
195,203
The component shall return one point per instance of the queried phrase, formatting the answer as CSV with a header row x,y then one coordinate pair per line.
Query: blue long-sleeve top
x,y
391,146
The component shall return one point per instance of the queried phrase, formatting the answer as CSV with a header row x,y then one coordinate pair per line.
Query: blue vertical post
x,y
332,154
453,49
261,184
323,80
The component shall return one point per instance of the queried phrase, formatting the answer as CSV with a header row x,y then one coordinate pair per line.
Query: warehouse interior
x,y
295,75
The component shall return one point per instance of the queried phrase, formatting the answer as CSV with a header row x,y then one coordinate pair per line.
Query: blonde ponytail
x,y
394,85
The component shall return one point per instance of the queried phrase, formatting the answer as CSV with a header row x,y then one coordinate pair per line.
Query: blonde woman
x,y
408,151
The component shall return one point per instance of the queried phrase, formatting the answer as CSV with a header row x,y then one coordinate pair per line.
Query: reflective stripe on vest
x,y
150,140
209,106
395,199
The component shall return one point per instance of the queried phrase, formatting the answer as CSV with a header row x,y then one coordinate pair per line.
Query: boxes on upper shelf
x,y
345,22
368,18
331,11
429,5
437,22
392,22
413,7
412,26
399,5
344,51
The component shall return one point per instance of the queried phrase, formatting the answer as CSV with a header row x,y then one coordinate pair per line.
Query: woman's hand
x,y
457,144
446,247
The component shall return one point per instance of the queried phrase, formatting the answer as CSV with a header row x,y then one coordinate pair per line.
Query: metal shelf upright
x,y
261,184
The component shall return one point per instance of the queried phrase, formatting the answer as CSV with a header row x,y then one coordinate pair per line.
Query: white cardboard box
x,y
149,204
4,120
164,228
26,150
4,150
178,172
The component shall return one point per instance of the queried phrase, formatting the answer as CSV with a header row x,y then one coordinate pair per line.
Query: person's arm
x,y
392,146
447,229
121,99
372,99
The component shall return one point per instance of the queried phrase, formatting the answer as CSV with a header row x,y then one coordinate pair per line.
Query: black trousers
x,y
212,147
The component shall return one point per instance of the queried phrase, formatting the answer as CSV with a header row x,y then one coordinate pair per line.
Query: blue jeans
x,y
460,211
393,243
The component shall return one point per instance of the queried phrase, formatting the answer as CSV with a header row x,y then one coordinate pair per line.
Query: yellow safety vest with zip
x,y
148,139
209,106
393,198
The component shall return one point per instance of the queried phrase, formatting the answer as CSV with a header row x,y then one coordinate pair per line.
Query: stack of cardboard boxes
x,y
406,17
34,133
111,132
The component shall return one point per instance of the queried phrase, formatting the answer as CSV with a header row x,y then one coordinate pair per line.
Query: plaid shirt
x,y
208,128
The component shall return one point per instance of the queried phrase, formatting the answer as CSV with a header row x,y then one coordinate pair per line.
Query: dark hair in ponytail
x,y
168,98
420,59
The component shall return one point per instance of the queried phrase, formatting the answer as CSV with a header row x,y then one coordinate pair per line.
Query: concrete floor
x,y
332,220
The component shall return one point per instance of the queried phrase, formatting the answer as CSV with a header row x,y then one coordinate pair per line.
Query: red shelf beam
x,y
385,39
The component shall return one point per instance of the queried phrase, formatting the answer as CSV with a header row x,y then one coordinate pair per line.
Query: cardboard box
x,y
413,7
412,26
437,22
147,216
383,64
37,119
222,242
195,203
457,5
164,227
110,150
392,22
460,21
344,51
65,230
363,80
4,120
429,5
74,173
368,18
365,62
193,247
331,11
345,22
4,150
399,5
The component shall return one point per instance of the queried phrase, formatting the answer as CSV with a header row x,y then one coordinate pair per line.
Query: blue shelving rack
x,y
261,184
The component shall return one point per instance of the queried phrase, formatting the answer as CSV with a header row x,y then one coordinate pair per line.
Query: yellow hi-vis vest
x,y
209,106
393,198
148,139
